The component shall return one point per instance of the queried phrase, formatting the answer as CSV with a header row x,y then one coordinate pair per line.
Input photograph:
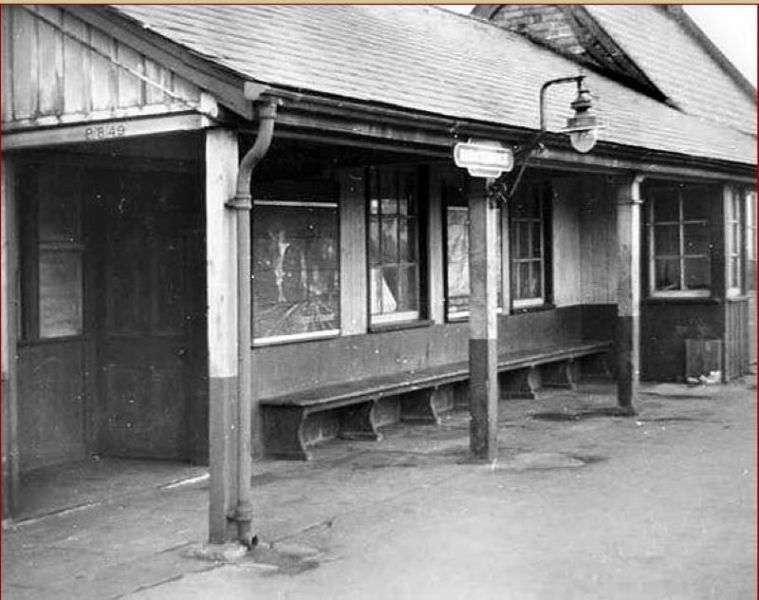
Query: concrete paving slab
x,y
661,505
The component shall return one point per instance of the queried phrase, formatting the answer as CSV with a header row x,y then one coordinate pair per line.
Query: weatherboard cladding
x,y
678,65
426,59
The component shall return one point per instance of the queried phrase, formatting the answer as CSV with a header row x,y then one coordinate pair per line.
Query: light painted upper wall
x,y
57,69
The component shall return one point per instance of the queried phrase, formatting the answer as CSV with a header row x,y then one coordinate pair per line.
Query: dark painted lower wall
x,y
664,328
292,367
598,321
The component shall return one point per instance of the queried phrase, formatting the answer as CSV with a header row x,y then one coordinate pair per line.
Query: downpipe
x,y
242,203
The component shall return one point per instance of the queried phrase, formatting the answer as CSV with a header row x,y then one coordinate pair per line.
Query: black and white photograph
x,y
378,301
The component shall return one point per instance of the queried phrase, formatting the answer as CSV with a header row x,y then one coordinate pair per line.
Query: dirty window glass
x,y
60,293
59,254
457,254
750,226
296,277
527,247
679,238
393,244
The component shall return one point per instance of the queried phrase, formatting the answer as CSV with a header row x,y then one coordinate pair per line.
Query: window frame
x,y
681,223
463,206
749,240
307,335
540,189
30,181
373,192
734,259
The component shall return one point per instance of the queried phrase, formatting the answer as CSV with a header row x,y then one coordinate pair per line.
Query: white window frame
x,y
734,243
407,316
308,335
749,237
519,303
463,315
681,256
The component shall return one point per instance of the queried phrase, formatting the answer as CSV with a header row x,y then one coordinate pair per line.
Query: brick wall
x,y
543,23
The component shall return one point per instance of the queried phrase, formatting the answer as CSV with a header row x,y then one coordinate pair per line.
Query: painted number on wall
x,y
103,132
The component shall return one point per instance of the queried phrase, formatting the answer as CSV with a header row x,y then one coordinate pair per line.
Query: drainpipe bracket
x,y
240,202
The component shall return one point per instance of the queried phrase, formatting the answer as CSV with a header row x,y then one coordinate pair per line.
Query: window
x,y
53,253
296,273
457,254
733,243
528,246
750,223
679,240
394,276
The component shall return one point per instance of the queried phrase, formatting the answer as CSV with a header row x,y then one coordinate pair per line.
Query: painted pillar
x,y
438,176
8,342
221,162
483,323
354,318
628,291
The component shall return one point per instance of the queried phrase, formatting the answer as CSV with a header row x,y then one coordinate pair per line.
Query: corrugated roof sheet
x,y
676,63
424,59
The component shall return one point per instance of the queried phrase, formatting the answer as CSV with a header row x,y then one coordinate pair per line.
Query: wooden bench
x,y
284,416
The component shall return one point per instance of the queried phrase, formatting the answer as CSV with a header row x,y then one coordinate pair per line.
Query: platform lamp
x,y
582,129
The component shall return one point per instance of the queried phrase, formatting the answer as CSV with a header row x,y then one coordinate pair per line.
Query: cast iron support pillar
x,y
483,323
628,292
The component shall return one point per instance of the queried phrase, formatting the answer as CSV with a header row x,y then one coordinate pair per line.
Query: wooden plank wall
x,y
57,69
584,241
736,338
566,243
598,240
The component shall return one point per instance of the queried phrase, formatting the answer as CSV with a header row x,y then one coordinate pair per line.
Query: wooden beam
x,y
483,322
221,156
628,290
601,164
103,131
356,142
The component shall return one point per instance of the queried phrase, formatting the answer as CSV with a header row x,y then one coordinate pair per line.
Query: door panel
x,y
51,353
146,219
50,414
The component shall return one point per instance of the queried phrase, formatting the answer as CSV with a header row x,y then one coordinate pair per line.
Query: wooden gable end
x,y
59,70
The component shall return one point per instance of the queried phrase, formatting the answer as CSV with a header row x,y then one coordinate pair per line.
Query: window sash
x,y
749,268
295,291
528,250
457,262
393,252
678,257
733,243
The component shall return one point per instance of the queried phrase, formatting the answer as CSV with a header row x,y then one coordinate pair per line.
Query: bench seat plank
x,y
285,415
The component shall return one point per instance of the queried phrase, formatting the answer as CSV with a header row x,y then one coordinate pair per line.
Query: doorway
x,y
111,355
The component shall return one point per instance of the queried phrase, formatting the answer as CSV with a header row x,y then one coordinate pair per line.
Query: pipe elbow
x,y
267,114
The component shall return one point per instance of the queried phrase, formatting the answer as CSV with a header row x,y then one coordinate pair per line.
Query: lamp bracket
x,y
498,189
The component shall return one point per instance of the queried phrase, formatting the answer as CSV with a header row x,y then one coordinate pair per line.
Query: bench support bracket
x,y
418,407
357,423
521,384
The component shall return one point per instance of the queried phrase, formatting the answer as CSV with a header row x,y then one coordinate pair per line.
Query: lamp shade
x,y
584,140
584,125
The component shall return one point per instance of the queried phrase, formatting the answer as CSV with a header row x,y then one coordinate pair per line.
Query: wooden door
x,y
146,220
52,349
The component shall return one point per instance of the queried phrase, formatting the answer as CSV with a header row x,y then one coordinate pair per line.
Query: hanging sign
x,y
483,158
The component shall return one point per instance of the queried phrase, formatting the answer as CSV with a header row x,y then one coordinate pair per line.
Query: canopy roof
x,y
427,60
